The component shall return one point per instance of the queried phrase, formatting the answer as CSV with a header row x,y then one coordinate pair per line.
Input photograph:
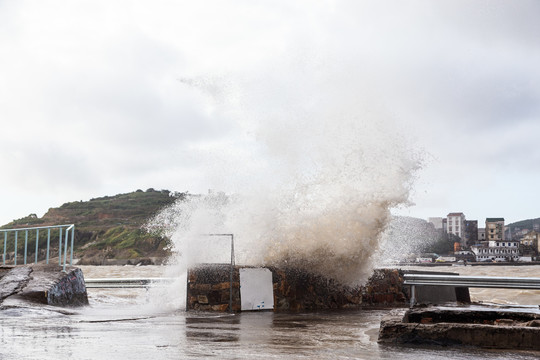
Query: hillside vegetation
x,y
524,224
110,227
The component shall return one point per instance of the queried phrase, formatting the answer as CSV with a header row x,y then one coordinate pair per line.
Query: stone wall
x,y
208,289
296,290
385,288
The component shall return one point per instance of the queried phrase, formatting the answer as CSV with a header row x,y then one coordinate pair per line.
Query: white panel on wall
x,y
256,289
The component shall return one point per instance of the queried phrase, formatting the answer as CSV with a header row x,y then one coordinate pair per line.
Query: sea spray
x,y
328,220
309,172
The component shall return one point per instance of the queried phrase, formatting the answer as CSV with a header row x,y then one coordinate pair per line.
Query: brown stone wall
x,y
296,290
208,289
385,288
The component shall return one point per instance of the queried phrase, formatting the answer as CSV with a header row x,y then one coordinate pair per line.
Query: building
x,y
481,234
455,223
531,239
495,229
471,232
497,251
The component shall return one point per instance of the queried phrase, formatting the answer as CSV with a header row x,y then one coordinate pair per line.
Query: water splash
x,y
325,213
312,167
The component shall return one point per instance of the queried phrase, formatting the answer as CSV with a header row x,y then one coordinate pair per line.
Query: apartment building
x,y
455,224
495,229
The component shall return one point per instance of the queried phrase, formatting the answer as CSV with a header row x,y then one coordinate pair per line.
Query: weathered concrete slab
x,y
13,280
44,284
484,327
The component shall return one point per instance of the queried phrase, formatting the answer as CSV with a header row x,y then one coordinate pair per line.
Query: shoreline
x,y
453,264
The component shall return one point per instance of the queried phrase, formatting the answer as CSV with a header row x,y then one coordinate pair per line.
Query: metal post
x,y
25,245
231,269
15,257
60,246
72,241
413,295
48,243
231,277
37,246
5,247
65,249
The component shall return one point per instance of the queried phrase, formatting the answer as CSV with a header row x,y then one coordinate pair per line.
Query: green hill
x,y
110,227
524,224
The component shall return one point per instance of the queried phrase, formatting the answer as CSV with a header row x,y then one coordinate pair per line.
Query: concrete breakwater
x,y
209,289
43,284
480,326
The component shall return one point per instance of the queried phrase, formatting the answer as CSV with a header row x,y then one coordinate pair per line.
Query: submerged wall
x,y
208,289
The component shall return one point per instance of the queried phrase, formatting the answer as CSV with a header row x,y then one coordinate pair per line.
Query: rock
x,y
202,299
13,280
44,284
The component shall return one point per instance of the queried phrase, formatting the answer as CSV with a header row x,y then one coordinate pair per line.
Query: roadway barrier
x,y
468,281
113,283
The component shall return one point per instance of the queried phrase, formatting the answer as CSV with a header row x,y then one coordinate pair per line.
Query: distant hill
x,y
524,224
109,227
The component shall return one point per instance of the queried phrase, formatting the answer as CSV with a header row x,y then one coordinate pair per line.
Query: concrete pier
x,y
43,284
481,326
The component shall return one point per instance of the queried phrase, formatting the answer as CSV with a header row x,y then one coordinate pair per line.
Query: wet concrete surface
x,y
139,324
134,333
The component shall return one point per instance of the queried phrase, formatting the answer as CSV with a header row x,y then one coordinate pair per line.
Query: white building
x,y
497,251
455,224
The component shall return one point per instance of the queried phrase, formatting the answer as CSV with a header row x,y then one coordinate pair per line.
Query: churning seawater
x,y
136,324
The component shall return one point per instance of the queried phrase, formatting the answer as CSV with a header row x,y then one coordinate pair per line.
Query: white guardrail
x,y
468,281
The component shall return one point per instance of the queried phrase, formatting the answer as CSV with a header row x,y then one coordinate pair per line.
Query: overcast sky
x,y
106,97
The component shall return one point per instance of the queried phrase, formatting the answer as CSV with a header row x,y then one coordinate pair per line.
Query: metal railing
x,y
64,232
468,281
112,283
